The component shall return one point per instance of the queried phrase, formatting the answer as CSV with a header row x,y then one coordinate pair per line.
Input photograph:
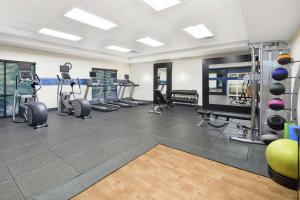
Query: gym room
x,y
149,99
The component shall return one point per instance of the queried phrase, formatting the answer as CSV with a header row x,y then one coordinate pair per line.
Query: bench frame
x,y
209,117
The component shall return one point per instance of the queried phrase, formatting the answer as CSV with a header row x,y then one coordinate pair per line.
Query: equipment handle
x,y
79,85
38,78
68,64
16,82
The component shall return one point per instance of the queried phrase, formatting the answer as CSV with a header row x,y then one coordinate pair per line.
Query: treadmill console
x,y
93,82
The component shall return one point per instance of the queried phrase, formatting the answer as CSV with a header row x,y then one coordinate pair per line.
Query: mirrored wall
x,y
229,84
226,83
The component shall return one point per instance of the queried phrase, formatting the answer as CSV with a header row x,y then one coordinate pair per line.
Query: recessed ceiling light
x,y
90,19
151,42
117,48
198,31
159,5
59,34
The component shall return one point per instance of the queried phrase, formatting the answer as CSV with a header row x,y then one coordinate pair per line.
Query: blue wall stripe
x,y
226,78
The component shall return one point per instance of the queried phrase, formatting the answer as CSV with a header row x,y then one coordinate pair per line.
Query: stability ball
x,y
276,104
282,157
277,89
276,122
284,59
279,74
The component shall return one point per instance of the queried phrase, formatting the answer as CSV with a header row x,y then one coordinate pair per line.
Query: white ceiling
x,y
231,21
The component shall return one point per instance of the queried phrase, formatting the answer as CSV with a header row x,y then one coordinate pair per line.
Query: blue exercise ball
x,y
280,74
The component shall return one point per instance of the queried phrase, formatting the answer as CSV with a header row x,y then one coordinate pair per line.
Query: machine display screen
x,y
92,74
64,68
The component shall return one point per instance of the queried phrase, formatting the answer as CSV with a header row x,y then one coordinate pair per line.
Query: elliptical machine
x,y
27,107
67,103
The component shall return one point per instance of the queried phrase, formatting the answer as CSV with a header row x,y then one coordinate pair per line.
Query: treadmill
x,y
97,104
127,83
117,101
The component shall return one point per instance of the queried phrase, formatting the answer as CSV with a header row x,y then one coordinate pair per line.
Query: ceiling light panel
x,y
159,5
151,42
59,34
120,49
198,31
90,19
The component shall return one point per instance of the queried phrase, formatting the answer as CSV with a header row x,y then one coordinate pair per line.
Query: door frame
x,y
168,66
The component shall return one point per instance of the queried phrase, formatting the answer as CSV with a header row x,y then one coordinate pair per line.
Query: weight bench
x,y
162,103
210,117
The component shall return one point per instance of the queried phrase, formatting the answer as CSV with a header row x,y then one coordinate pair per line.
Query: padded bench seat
x,y
227,115
204,112
232,115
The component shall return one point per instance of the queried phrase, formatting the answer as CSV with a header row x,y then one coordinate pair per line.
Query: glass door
x,y
9,70
110,89
12,70
98,92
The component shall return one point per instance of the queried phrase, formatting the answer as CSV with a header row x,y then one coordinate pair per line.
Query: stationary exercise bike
x,y
26,107
67,103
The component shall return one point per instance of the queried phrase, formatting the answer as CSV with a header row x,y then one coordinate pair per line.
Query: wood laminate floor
x,y
167,173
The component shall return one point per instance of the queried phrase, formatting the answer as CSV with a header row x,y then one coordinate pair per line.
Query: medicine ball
x,y
276,104
284,59
277,89
279,74
276,122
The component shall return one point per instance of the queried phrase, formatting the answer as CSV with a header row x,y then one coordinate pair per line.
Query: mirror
x,y
226,83
229,84
162,80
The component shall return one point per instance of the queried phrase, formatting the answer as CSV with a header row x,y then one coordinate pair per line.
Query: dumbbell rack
x,y
185,97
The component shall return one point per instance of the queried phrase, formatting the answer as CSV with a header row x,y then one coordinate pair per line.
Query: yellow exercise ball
x,y
282,157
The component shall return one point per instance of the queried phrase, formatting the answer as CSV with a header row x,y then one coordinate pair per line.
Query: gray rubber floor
x,y
71,154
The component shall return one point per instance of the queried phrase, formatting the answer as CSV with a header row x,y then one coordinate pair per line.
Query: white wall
x,y
186,74
296,66
47,66
142,74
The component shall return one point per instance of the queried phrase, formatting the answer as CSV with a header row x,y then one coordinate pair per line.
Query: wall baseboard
x,y
52,109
